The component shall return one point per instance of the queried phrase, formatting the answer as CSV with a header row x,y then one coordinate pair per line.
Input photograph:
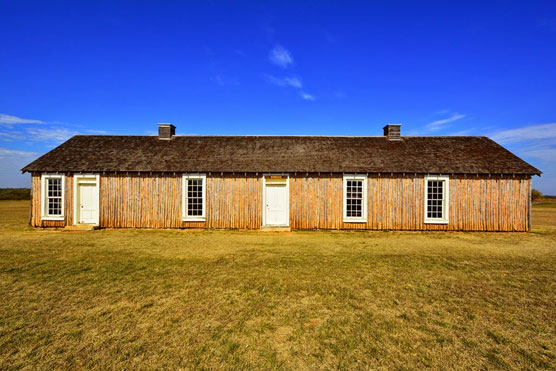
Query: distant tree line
x,y
15,194
538,196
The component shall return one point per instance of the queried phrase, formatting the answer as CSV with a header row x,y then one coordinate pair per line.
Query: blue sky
x,y
280,67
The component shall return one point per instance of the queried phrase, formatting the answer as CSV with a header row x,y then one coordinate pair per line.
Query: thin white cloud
x,y
13,120
49,135
441,124
462,133
37,134
545,152
11,136
542,131
293,82
280,56
7,153
34,132
11,162
536,143
306,96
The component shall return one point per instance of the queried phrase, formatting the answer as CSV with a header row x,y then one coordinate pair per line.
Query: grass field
x,y
301,300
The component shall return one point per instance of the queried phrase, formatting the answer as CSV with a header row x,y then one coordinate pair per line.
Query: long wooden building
x,y
388,182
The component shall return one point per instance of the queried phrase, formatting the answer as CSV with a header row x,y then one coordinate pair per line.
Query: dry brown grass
x,y
300,300
546,216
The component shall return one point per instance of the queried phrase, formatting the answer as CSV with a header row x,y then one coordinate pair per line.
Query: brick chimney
x,y
166,131
392,132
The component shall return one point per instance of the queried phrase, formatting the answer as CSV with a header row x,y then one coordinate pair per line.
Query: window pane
x,y
54,206
354,198
194,197
435,199
54,188
54,196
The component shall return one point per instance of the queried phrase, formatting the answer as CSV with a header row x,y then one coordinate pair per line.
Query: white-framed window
x,y
355,198
52,196
436,199
194,197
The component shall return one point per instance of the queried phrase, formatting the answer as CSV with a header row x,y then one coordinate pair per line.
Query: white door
x,y
88,210
277,210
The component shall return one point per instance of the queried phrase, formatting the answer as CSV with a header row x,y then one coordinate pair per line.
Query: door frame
x,y
89,179
264,224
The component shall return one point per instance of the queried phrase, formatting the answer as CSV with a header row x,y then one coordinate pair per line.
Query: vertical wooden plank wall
x,y
36,220
144,201
235,201
397,202
140,201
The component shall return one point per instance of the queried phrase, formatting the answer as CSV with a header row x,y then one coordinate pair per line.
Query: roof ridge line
x,y
279,136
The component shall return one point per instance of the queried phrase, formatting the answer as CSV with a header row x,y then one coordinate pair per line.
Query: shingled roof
x,y
445,155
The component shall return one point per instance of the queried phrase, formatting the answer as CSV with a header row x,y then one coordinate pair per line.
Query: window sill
x,y
434,221
193,219
355,221
53,218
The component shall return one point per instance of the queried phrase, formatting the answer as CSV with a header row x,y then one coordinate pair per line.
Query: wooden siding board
x,y
477,203
232,202
397,202
35,218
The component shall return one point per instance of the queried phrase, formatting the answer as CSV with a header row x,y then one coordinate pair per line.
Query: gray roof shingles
x,y
445,155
